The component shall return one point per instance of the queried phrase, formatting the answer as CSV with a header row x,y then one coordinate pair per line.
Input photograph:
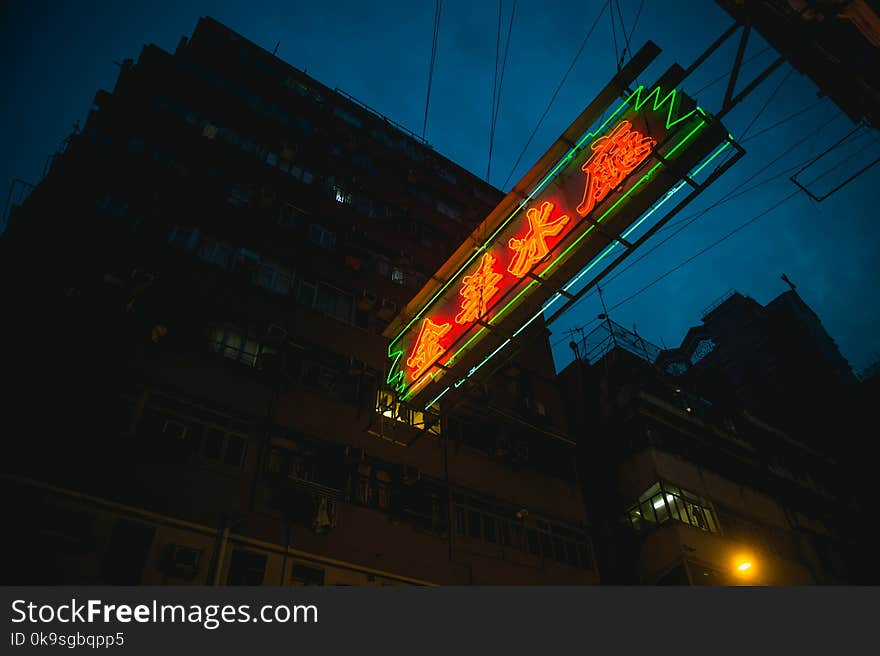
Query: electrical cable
x,y
767,102
783,121
497,104
494,91
438,7
614,38
706,249
635,21
730,195
556,92
726,75
626,48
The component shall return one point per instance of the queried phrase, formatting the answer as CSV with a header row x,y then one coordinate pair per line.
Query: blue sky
x,y
57,54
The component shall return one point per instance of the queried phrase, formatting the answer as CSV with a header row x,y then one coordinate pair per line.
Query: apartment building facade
x,y
690,489
211,263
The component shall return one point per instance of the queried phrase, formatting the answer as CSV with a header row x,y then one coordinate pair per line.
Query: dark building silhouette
x,y
686,487
195,296
776,360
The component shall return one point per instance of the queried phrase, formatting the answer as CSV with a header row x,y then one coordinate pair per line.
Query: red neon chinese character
x,y
477,289
427,348
533,248
614,157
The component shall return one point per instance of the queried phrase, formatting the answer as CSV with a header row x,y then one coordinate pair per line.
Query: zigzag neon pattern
x,y
636,101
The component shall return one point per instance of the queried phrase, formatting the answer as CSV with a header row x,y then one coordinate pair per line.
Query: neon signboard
x,y
589,196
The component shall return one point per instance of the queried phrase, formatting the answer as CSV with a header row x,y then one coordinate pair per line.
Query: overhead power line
x,y
556,92
438,8
733,193
706,249
497,96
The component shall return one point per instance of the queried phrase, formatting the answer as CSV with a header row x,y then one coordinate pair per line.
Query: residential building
x,y
684,488
196,294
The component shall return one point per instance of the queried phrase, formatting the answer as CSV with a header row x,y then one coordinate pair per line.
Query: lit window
x,y
387,406
704,347
663,502
234,345
341,195
397,276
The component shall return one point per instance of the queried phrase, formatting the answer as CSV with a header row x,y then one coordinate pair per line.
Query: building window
x,y
663,502
321,236
382,137
446,175
246,568
235,345
213,252
306,292
288,214
274,278
551,541
347,117
703,348
224,447
387,406
334,303
304,575
341,195
397,276
449,211
304,175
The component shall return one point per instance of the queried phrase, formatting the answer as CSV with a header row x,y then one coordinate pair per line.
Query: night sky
x,y
57,54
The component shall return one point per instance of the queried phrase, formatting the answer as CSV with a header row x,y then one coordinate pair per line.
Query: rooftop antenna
x,y
642,342
573,344
276,48
788,282
604,317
